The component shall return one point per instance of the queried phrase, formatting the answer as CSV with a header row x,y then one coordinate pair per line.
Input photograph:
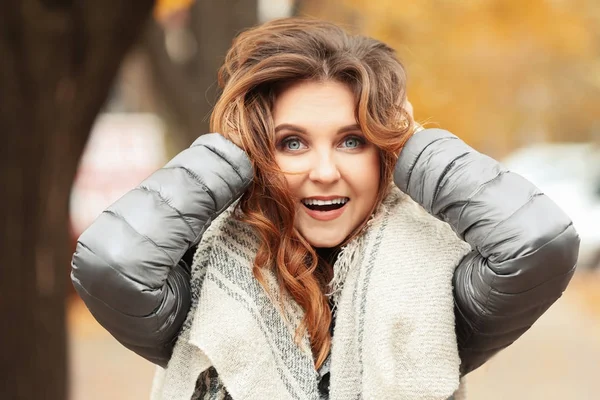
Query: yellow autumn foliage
x,y
165,8
500,73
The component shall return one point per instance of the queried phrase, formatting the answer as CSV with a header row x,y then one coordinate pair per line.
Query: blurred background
x,y
95,96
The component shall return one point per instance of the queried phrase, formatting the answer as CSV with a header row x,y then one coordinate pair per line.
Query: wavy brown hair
x,y
263,61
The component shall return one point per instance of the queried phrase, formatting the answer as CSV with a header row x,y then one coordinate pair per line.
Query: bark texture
x,y
58,62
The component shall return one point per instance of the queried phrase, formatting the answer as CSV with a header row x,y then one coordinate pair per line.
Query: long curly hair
x,y
263,61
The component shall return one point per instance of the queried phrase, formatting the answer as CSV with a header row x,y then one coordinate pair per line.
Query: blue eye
x,y
292,144
352,142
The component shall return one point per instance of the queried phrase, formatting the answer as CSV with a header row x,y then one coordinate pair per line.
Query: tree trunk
x,y
58,61
186,89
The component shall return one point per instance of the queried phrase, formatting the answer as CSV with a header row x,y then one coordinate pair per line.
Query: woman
x,y
333,275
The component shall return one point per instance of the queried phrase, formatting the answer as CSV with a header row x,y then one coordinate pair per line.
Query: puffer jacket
x,y
132,265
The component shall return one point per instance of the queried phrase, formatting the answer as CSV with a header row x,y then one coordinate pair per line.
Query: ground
x,y
559,358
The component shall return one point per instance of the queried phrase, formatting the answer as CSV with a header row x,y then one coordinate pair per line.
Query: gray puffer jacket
x,y
131,266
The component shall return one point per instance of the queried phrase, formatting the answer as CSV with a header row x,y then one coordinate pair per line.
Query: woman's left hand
x,y
409,109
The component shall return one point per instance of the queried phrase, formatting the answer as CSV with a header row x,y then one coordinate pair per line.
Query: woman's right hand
x,y
234,138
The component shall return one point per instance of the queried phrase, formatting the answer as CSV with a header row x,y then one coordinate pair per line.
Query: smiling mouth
x,y
324,208
325,205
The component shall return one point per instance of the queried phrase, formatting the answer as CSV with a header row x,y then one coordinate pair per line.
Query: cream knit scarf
x,y
394,335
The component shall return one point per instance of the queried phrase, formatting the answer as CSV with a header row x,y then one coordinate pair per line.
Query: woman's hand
x,y
234,138
408,107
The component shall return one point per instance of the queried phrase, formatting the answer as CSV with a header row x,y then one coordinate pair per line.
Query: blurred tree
x,y
59,58
500,73
184,48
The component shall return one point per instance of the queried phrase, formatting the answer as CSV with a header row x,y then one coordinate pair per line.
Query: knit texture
x,y
394,335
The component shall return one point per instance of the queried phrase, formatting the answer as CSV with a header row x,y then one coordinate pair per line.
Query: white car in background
x,y
569,173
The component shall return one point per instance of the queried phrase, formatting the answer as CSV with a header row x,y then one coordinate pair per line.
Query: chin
x,y
320,242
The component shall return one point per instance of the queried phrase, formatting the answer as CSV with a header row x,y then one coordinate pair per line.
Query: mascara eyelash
x,y
281,144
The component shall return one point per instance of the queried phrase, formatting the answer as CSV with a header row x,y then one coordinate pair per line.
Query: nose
x,y
325,169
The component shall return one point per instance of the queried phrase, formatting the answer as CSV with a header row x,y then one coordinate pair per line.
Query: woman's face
x,y
330,167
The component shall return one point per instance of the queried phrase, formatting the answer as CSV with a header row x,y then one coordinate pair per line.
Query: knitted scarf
x,y
394,335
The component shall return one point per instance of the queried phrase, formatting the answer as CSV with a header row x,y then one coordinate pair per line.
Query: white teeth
x,y
313,202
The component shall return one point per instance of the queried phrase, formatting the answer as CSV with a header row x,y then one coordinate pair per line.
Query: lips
x,y
326,212
325,205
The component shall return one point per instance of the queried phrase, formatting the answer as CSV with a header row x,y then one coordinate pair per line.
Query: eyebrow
x,y
299,129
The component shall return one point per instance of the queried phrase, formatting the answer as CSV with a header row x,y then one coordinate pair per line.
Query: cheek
x,y
296,163
365,176
293,165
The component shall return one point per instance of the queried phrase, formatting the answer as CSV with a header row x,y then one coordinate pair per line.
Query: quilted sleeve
x,y
129,266
524,246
